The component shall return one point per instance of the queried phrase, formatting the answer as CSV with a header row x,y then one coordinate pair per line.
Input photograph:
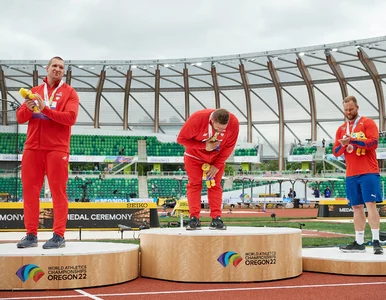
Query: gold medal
x,y
214,138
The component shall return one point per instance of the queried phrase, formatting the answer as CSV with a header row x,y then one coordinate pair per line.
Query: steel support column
x,y
156,100
69,75
374,74
311,96
338,74
280,106
215,86
35,77
129,77
187,93
4,105
245,81
98,97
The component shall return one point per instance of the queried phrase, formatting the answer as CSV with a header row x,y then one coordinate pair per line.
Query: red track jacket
x,y
194,133
51,130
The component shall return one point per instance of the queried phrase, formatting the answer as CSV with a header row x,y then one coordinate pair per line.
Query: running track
x,y
308,286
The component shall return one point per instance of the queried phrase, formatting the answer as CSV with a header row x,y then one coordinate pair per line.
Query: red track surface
x,y
308,286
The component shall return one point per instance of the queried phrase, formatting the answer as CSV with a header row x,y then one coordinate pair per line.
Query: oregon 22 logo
x,y
229,257
30,271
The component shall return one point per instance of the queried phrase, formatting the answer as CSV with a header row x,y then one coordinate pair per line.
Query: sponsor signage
x,y
53,273
255,258
341,209
69,272
30,271
99,215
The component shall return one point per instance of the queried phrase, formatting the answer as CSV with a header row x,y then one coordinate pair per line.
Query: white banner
x,y
143,200
297,158
165,159
381,155
333,157
246,159
10,157
78,158
124,200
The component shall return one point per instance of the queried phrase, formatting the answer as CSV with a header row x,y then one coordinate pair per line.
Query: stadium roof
x,y
280,97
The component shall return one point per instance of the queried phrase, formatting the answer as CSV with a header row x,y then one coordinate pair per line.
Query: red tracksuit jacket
x,y
51,130
363,160
195,132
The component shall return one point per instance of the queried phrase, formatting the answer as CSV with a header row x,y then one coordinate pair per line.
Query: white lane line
x,y
41,297
88,295
206,291
245,289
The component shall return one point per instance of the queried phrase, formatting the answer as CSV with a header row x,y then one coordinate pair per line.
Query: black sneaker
x,y
353,248
377,247
55,242
194,224
217,224
30,240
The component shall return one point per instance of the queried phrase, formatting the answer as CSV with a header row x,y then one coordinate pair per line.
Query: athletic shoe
x,y
194,224
353,248
377,247
30,240
218,224
55,242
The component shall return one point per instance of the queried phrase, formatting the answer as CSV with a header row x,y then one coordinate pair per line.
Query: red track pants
x,y
35,164
194,188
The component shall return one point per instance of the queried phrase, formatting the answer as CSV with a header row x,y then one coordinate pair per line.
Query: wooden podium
x,y
238,254
78,265
332,260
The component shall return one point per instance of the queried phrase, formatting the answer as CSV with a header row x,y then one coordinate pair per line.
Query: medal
x,y
214,138
350,148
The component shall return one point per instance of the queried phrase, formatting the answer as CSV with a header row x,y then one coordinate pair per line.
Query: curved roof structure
x,y
280,97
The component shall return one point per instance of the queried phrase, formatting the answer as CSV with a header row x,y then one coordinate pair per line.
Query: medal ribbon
x,y
350,147
210,130
53,93
353,127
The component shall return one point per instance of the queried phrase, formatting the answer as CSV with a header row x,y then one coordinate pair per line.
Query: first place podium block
x,y
238,254
78,265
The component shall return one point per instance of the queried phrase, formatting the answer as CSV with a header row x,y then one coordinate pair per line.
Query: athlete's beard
x,y
352,117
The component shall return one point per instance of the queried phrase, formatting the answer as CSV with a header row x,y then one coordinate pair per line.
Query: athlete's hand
x,y
345,140
212,172
210,145
41,103
30,104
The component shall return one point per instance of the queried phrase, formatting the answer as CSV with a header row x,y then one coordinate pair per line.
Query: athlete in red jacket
x,y
357,139
209,136
46,151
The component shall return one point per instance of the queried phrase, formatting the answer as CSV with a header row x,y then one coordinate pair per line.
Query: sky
x,y
172,29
